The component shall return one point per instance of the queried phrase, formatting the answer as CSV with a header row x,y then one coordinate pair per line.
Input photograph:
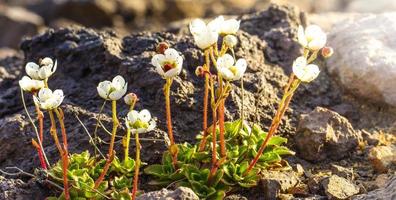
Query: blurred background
x,y
20,18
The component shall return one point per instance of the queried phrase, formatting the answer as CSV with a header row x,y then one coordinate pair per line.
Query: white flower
x,y
140,122
230,70
47,99
30,85
230,26
169,64
42,71
312,38
205,35
113,90
303,71
230,41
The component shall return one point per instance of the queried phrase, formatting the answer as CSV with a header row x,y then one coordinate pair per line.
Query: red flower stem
x,y
40,117
62,154
292,85
40,154
110,155
136,175
205,102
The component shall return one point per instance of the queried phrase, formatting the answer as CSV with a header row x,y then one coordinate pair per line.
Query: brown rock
x,y
323,134
382,157
339,188
16,23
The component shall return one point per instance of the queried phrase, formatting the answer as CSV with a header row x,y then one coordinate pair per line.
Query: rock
x,y
16,23
339,188
181,193
18,190
364,62
275,182
323,134
382,157
385,193
327,20
342,171
366,6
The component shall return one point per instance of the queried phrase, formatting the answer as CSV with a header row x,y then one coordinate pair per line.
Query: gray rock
x,y
323,134
16,189
385,193
382,157
16,23
363,61
339,188
276,182
181,193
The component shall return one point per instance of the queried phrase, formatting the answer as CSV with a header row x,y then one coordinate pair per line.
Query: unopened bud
x,y
327,52
130,98
161,47
230,41
199,71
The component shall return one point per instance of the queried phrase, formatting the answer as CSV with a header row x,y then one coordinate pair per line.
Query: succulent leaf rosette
x,y
169,64
41,71
229,69
47,99
112,90
140,122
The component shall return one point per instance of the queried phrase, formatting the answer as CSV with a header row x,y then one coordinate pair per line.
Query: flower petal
x,y
44,94
301,36
118,82
118,93
197,26
173,72
226,73
230,26
144,115
241,66
133,116
32,69
171,54
225,61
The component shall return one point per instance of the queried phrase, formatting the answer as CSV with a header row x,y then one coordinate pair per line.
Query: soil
x,y
86,57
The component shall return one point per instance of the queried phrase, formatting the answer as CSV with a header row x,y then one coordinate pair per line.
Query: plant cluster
x,y
228,154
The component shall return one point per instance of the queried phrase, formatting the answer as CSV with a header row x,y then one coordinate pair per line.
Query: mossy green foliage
x,y
194,167
84,169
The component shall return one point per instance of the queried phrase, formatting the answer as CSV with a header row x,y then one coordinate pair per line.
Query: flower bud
x,y
199,71
161,47
130,98
327,52
230,41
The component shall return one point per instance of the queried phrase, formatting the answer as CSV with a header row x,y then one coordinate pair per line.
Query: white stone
x,y
364,59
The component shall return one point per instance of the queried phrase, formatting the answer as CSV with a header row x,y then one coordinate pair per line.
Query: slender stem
x,y
40,117
214,139
62,152
128,136
89,135
126,146
276,120
34,127
136,175
111,148
172,147
221,102
205,102
97,126
40,154
61,117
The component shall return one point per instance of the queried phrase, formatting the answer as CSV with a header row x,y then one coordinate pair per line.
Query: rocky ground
x,y
342,125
